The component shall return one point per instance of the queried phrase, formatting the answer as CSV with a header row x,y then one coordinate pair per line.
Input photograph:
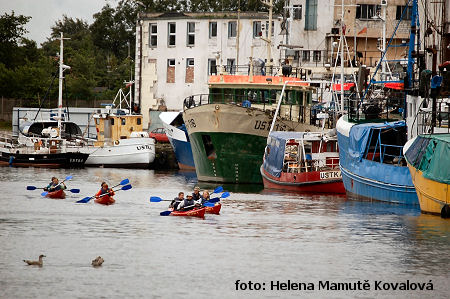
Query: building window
x,y
305,55
170,70
257,29
232,29
153,29
231,66
171,34
316,56
212,67
297,12
190,34
267,28
367,11
212,29
406,15
189,70
311,15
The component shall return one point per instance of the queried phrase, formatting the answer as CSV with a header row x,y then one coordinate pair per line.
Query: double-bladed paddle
x,y
216,199
159,199
123,182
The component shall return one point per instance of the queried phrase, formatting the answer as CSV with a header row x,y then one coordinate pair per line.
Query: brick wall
x,y
189,74
170,74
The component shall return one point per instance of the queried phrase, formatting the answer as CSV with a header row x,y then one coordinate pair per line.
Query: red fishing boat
x,y
214,210
105,200
58,194
192,213
303,162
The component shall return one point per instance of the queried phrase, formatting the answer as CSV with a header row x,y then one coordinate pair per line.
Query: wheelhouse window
x,y
267,28
306,55
316,56
212,29
153,29
190,34
171,34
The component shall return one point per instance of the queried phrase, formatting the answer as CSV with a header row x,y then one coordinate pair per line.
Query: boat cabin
x,y
112,127
299,152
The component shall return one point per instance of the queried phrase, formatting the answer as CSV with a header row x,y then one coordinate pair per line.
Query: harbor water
x,y
269,239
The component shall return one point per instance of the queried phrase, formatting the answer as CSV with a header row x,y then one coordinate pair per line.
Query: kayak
x,y
193,213
214,210
105,200
58,194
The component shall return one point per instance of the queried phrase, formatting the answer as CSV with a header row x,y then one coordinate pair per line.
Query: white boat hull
x,y
129,153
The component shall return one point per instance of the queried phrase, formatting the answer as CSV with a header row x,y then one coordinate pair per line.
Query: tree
x,y
11,31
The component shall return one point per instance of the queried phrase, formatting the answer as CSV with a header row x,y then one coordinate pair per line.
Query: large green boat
x,y
228,127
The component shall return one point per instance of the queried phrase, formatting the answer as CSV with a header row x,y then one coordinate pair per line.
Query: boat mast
x,y
383,45
268,40
237,35
62,67
342,55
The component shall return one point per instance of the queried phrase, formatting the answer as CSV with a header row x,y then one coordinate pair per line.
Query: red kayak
x,y
214,210
58,194
105,200
193,213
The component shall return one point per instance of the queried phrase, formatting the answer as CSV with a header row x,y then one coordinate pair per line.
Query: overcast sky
x,y
45,13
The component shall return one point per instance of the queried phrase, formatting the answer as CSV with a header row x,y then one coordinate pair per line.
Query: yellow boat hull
x,y
432,195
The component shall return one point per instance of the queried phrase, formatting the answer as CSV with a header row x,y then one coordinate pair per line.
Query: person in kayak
x,y
104,190
55,185
204,197
176,201
196,195
187,204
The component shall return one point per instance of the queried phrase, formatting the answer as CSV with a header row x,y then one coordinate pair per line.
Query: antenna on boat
x,y
62,68
268,40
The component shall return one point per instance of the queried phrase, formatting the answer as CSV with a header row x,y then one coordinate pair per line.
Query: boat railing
x,y
308,165
387,154
260,69
379,104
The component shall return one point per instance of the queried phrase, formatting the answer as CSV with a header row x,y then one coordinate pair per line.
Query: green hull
x,y
231,158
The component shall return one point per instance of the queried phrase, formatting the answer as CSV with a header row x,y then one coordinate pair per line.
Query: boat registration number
x,y
327,175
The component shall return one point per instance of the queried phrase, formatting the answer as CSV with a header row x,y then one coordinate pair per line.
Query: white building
x,y
175,52
308,24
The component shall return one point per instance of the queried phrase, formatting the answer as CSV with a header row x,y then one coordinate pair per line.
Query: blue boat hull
x,y
371,179
378,190
183,153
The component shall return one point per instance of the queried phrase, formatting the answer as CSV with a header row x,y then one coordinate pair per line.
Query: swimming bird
x,y
97,262
39,263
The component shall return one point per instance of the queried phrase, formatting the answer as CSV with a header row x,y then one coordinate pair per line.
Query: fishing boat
x,y
191,213
44,144
105,200
58,194
228,127
371,137
121,141
214,210
428,161
302,162
176,131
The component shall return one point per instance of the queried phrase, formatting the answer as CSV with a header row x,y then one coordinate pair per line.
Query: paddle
x,y
70,190
217,190
159,199
216,199
87,199
69,177
123,182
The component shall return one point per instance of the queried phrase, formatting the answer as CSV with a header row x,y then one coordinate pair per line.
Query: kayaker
x,y
55,185
176,201
187,204
104,190
204,197
196,195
